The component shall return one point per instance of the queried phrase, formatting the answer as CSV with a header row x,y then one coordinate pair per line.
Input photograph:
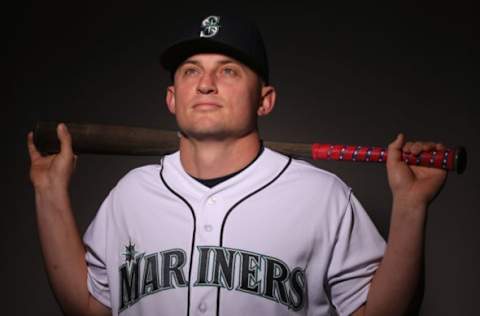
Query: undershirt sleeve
x,y
356,255
95,241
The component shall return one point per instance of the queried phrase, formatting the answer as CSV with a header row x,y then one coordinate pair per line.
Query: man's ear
x,y
170,99
267,100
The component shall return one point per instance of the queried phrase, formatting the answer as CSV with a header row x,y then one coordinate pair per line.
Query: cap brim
x,y
178,53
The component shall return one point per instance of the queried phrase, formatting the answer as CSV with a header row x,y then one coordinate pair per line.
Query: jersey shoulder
x,y
306,172
325,194
147,175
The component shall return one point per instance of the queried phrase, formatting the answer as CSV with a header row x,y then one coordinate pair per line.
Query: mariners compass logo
x,y
210,26
130,253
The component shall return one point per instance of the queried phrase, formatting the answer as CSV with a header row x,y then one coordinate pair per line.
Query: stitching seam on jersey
x,y
193,235
238,203
326,286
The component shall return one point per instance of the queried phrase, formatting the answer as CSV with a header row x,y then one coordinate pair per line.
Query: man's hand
x,y
62,247
53,171
413,186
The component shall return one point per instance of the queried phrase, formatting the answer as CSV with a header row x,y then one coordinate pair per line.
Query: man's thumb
x,y
65,138
395,148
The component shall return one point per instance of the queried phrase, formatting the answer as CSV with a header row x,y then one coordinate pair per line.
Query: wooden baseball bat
x,y
129,140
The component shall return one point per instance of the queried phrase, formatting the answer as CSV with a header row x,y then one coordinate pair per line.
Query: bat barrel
x,y
106,139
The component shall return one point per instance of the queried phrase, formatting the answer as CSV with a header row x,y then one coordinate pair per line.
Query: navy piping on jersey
x,y
238,203
223,224
213,182
193,235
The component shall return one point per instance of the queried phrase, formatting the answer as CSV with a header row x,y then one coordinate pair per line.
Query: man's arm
x,y
62,247
413,188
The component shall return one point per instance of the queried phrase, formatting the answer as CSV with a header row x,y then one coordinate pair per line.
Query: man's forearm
x,y
63,250
396,279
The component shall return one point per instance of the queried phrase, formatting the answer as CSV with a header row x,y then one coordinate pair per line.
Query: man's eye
x,y
190,71
229,71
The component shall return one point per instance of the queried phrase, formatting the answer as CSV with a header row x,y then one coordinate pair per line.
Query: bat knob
x,y
460,159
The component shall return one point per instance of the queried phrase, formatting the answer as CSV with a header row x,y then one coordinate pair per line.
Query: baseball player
x,y
226,226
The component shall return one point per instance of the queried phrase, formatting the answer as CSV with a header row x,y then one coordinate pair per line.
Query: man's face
x,y
217,97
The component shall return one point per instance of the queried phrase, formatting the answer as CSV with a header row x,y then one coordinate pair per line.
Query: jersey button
x,y
202,307
208,228
212,200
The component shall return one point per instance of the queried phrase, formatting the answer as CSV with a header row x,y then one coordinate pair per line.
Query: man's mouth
x,y
205,106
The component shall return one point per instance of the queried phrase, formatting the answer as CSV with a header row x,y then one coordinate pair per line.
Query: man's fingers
x,y
416,148
427,146
65,139
407,147
32,149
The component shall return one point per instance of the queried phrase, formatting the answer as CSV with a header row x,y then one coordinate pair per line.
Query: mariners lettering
x,y
232,269
171,268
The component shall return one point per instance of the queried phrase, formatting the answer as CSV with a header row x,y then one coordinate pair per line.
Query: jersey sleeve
x,y
357,251
95,241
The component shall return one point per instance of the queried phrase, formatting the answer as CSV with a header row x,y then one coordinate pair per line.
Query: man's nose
x,y
207,84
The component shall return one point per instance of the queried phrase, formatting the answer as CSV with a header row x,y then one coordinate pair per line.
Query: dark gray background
x,y
344,74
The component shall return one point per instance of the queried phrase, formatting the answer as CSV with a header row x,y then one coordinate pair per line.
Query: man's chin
x,y
206,134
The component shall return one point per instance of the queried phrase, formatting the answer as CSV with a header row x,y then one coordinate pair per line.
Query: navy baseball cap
x,y
232,36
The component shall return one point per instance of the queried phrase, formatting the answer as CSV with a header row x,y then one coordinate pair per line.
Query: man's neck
x,y
213,159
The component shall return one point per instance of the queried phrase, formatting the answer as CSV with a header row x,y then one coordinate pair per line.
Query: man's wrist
x,y
409,210
56,198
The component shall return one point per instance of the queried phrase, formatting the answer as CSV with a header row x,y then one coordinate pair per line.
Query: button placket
x,y
203,298
210,211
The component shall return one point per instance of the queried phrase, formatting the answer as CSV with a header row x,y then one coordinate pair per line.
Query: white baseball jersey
x,y
282,237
